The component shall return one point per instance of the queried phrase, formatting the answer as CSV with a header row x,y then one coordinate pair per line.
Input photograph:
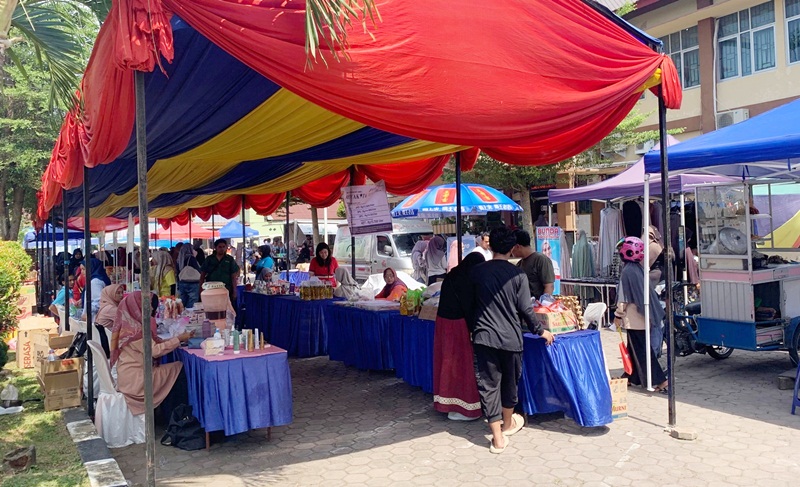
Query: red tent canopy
x,y
182,231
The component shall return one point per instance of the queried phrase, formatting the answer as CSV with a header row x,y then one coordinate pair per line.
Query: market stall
x,y
748,288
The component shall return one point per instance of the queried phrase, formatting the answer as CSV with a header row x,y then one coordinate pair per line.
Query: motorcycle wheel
x,y
719,353
794,348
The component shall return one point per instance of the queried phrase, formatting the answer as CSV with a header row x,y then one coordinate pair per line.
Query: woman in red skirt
x,y
455,390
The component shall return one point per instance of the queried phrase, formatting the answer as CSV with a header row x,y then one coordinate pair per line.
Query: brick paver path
x,y
361,428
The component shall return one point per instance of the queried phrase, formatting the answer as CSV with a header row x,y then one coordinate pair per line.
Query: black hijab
x,y
455,302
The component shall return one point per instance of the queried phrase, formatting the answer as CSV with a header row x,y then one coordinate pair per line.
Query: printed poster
x,y
548,242
367,208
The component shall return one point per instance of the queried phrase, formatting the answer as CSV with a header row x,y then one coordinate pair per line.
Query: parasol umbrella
x,y
440,201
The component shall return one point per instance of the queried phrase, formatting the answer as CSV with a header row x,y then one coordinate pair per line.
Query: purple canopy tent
x,y
630,183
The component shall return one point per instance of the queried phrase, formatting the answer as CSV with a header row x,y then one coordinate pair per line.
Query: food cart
x,y
749,290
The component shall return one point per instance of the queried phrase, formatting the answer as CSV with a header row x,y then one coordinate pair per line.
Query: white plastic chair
x,y
595,312
113,419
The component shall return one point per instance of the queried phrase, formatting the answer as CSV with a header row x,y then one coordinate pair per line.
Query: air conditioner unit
x,y
644,147
731,117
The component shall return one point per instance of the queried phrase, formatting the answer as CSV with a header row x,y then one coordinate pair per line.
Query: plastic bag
x,y
10,393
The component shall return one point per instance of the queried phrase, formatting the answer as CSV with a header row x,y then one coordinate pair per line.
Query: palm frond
x,y
50,33
330,20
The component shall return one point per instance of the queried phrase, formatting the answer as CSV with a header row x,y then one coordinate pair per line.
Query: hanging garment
x,y
566,264
632,216
610,233
657,216
583,264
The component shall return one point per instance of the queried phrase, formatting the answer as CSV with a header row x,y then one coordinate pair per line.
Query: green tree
x,y
14,268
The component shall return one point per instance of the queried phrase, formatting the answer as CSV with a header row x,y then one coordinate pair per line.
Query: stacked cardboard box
x,y
61,382
30,332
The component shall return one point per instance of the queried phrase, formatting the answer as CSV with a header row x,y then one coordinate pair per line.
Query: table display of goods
x,y
554,316
315,289
573,303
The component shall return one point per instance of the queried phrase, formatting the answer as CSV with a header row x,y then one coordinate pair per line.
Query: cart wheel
x,y
719,353
794,349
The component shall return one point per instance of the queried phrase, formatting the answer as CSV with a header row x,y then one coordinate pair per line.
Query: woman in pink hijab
x,y
127,353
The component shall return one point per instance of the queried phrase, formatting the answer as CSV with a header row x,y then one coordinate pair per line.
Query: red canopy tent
x,y
179,232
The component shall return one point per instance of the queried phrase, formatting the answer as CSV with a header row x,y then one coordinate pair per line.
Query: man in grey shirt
x,y
536,265
500,298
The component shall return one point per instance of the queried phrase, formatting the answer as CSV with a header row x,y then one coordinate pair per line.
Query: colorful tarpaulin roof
x,y
440,201
232,109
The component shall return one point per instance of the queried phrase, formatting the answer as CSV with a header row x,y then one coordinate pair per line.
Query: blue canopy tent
x,y
765,146
47,234
233,229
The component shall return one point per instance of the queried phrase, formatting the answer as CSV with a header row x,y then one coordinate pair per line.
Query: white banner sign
x,y
367,209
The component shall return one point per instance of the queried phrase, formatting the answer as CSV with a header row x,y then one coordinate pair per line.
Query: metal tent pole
x,y
190,229
87,294
141,169
66,258
39,280
646,226
52,240
684,272
458,205
244,245
662,128
286,236
170,233
352,237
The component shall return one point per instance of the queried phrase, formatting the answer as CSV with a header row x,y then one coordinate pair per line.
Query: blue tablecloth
x,y
295,276
298,326
568,376
295,325
382,340
361,338
241,394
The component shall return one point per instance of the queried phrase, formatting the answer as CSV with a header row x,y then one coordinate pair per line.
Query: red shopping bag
x,y
627,365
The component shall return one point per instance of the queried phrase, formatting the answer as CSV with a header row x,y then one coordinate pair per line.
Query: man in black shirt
x,y
501,298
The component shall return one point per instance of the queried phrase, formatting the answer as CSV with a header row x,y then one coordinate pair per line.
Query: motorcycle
x,y
686,342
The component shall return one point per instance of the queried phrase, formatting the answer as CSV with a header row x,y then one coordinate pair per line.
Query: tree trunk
x,y
527,214
18,199
3,207
315,226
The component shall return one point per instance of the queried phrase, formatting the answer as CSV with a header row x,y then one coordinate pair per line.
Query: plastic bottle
x,y
51,355
236,342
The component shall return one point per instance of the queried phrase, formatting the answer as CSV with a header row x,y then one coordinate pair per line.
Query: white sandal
x,y
496,450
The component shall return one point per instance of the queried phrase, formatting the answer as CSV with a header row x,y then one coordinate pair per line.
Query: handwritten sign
x,y
367,209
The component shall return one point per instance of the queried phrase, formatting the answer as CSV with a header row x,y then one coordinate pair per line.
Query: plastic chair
x,y
114,421
795,399
595,313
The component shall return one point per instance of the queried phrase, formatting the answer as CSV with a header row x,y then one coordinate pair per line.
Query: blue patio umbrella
x,y
440,201
233,229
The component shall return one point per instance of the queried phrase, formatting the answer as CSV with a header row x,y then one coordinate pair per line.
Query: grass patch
x,y
57,461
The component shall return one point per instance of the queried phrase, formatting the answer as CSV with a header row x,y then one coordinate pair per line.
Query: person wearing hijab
x,y
75,261
394,288
455,390
265,265
188,289
163,274
98,281
323,265
418,260
347,287
127,354
199,254
629,315
436,259
104,320
656,261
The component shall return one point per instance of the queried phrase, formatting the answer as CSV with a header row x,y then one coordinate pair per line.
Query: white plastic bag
x,y
10,393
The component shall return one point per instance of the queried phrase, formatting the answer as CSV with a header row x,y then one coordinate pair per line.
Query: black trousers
x,y
498,373
637,348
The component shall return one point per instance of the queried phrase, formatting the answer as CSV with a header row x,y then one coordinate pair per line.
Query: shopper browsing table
x,y
221,267
537,266
501,297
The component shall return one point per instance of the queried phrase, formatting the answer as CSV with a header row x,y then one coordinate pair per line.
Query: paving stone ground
x,y
369,428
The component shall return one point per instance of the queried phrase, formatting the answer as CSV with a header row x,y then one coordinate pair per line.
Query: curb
x,y
100,465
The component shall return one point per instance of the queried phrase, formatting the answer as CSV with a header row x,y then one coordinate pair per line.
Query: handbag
x,y
627,365
184,430
188,273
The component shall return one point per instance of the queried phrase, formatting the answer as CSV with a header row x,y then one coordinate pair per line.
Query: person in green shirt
x,y
221,267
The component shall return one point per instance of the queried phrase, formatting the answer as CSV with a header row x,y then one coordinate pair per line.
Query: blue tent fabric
x,y
767,145
233,229
47,234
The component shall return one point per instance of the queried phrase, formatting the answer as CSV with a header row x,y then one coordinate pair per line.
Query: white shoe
x,y
459,417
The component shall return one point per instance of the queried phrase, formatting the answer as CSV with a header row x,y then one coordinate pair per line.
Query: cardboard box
x,y
428,312
27,336
60,381
27,300
558,322
619,398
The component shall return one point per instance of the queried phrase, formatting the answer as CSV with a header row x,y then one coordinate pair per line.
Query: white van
x,y
376,252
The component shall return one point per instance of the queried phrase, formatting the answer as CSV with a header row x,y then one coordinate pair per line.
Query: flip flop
x,y
494,449
519,423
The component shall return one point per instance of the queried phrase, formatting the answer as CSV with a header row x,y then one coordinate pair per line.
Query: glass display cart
x,y
750,301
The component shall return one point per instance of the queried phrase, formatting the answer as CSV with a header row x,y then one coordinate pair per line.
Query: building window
x,y
746,41
682,48
793,29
